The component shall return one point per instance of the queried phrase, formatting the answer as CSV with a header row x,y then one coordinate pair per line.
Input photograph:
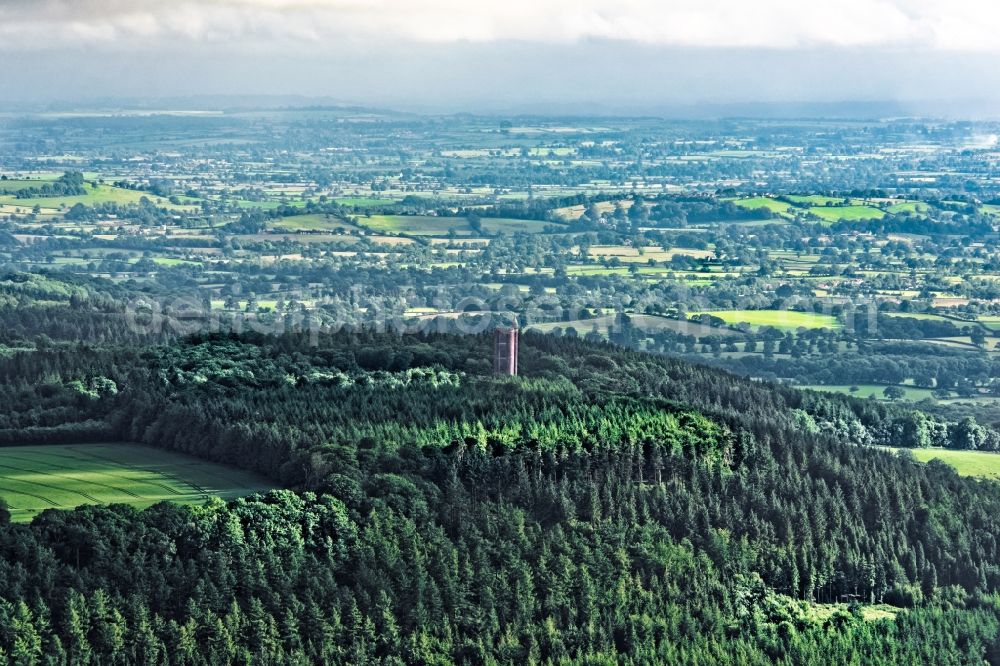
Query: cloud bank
x,y
576,56
949,25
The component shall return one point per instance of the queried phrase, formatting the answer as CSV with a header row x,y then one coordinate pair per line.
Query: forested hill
x,y
607,507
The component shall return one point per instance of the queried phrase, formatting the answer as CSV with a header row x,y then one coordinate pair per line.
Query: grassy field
x,y
417,225
269,204
576,269
924,316
846,213
574,212
172,261
980,464
990,321
363,201
431,225
509,225
908,207
781,319
15,184
35,478
315,222
868,390
629,254
814,205
776,207
100,194
814,199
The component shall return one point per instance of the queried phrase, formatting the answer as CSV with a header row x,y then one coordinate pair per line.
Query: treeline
x,y
879,364
69,184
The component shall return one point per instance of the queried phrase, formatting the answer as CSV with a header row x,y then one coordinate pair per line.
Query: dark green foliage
x,y
608,507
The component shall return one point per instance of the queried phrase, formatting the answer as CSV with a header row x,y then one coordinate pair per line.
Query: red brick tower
x,y
505,351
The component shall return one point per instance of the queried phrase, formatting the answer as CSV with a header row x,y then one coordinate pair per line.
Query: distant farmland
x,y
432,225
847,213
828,209
312,222
776,207
35,478
94,195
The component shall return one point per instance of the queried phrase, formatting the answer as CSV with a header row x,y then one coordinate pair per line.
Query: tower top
x,y
505,351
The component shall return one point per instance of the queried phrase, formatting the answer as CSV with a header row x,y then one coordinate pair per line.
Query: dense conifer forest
x,y
607,507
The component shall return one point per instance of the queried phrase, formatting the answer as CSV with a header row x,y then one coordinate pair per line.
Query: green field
x,y
98,195
924,316
269,204
508,225
846,213
980,464
776,207
172,261
814,199
908,207
868,390
314,222
576,269
13,184
35,478
629,254
815,205
787,320
418,225
363,201
432,225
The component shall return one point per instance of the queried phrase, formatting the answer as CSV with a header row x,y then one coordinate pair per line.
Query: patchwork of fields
x,y
831,209
96,194
36,478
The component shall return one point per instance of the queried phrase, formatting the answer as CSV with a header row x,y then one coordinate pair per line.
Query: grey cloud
x,y
570,55
310,24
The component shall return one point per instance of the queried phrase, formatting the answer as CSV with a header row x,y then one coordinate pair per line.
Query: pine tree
x,y
27,644
76,628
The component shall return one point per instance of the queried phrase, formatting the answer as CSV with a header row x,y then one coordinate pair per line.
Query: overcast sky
x,y
608,55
